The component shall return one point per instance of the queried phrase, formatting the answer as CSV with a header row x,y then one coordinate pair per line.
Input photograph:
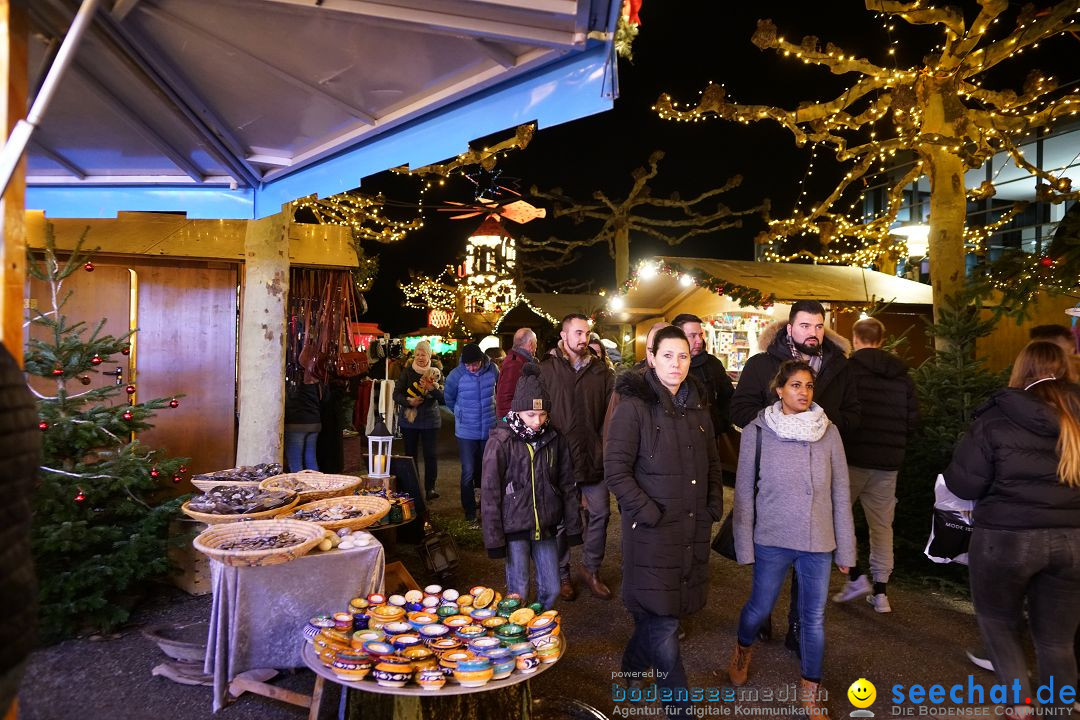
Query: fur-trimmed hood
x,y
773,331
646,387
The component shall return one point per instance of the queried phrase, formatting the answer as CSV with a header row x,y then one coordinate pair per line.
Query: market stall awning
x,y
656,296
230,108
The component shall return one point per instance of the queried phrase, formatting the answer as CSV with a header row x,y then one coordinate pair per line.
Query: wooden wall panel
x,y
1002,346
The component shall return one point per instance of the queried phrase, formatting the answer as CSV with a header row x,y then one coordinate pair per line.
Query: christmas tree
x,y
98,529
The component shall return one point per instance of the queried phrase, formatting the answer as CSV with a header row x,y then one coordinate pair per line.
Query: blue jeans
x,y
427,440
655,644
1041,565
812,569
472,457
300,451
545,556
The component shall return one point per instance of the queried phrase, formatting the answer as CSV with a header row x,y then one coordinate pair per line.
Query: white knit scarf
x,y
810,425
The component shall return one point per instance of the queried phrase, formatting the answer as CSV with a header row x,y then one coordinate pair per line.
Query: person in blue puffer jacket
x,y
470,395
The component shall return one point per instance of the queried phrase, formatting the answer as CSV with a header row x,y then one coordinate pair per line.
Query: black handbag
x,y
724,542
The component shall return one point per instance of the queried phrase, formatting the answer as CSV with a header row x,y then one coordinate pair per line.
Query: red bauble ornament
x,y
154,473
127,415
126,350
177,478
1047,262
96,360
89,266
84,379
174,403
183,469
79,497
43,426
58,371
130,389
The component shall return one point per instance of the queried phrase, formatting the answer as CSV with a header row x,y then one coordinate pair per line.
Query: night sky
x,y
681,47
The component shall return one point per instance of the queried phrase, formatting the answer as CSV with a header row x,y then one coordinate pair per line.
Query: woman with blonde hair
x,y
1020,463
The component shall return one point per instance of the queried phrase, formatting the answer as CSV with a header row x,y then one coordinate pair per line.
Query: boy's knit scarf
x,y
809,425
523,431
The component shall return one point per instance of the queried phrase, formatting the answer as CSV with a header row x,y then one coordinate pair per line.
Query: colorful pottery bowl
x,y
343,621
351,665
316,625
433,589
450,595
536,607
433,632
430,602
327,653
398,600
362,636
522,616
502,662
404,641
548,649
482,613
392,671
492,624
414,596
447,610
470,632
358,604
430,678
482,644
510,633
421,657
449,661
464,601
527,662
509,605
360,620
520,648
445,644
420,619
398,627
474,673
457,621
376,599
378,649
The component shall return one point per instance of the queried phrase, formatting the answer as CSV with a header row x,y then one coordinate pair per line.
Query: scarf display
x,y
523,431
809,426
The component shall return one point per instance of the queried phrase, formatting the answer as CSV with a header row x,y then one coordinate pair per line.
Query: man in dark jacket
x,y
580,385
804,338
20,454
524,351
875,452
707,368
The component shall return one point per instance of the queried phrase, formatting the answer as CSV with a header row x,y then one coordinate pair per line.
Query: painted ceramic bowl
x,y
449,661
358,603
420,619
360,620
413,607
450,595
510,633
392,671
343,621
481,614
362,636
433,632
492,624
351,665
522,616
482,644
398,627
470,632
536,607
502,662
431,678
376,599
509,605
445,611
485,598
421,657
398,600
327,654
474,673
445,644
476,590
433,589
527,662
414,596
457,621
316,625
430,602
548,649
520,648
378,649
405,640
385,614
464,601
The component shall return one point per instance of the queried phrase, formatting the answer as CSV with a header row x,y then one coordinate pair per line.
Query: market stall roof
x,y
231,108
657,296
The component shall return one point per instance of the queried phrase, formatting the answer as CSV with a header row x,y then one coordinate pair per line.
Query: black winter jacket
x,y
579,400
1007,462
662,464
428,416
833,389
20,451
888,410
527,490
302,408
710,371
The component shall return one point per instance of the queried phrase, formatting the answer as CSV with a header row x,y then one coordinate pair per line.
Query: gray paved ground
x,y
923,641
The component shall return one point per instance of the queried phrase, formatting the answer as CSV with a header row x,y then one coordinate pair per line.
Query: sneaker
x,y
880,602
854,589
979,661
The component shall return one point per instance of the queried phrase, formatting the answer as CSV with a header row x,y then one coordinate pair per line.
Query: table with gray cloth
x,y
258,613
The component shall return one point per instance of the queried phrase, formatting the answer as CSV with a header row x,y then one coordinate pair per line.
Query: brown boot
x,y
566,590
596,585
810,698
739,668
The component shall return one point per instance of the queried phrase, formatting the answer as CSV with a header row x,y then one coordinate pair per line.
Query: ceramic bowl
x,y
378,649
492,624
510,633
482,613
445,644
536,607
421,657
482,644
433,632
509,605
445,611
433,589
449,661
412,607
327,653
522,616
527,662
520,648
431,678
420,619
360,620
343,621
404,640
358,603
548,649
450,595
457,621
316,625
362,636
474,678
398,600
414,596
351,665
470,632
397,627
430,602
392,671
502,662
464,601
376,599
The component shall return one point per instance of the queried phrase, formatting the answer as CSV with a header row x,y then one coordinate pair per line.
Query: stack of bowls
x,y
474,672
351,665
392,671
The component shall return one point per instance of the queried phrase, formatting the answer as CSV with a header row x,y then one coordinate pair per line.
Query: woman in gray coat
x,y
792,508
661,462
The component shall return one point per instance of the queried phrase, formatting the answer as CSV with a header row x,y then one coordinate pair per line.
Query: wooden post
x,y
262,340
13,241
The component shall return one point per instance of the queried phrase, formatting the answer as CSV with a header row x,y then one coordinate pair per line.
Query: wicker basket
x,y
377,508
208,485
214,519
210,541
325,485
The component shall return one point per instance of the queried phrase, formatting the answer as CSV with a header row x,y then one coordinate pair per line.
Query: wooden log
x,y
513,701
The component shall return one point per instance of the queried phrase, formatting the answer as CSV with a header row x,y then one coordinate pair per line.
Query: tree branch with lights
x,y
671,220
938,111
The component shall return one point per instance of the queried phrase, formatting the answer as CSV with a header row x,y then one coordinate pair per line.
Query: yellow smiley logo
x,y
862,693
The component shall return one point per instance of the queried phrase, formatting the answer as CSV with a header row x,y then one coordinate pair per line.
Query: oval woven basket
x,y
323,485
210,541
208,485
377,507
215,519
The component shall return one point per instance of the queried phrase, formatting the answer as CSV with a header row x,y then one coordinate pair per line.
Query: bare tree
x,y
939,111
670,219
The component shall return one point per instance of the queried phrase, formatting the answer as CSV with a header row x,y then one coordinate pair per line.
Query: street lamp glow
x,y
617,303
917,236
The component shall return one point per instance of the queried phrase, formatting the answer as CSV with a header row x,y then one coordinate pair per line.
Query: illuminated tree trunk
x,y
622,254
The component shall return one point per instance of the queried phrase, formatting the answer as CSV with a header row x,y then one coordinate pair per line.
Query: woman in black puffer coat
x,y
1020,462
661,462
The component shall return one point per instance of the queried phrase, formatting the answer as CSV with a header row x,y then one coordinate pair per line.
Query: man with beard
x,y
803,338
707,368
580,385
